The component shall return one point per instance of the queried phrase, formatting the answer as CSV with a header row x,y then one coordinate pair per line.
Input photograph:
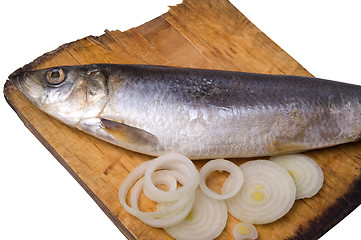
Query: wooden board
x,y
205,34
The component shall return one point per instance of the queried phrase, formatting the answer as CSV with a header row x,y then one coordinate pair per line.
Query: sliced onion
x,y
243,231
173,218
128,182
161,177
167,161
306,173
221,165
206,220
267,194
166,177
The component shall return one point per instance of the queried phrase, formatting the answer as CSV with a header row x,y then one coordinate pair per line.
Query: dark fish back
x,y
227,88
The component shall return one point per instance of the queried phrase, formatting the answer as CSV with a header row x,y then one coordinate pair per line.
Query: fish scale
x,y
196,112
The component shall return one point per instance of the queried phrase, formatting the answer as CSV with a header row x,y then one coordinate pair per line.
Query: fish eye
x,y
55,76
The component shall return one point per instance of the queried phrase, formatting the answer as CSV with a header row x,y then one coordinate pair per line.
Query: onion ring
x,y
128,182
206,220
245,231
306,173
268,193
222,165
167,177
166,160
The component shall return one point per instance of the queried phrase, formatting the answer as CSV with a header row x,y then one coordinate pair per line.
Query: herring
x,y
200,113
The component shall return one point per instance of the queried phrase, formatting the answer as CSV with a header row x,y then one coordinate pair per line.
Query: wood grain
x,y
210,34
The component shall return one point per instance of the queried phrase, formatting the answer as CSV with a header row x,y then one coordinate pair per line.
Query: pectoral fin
x,y
129,135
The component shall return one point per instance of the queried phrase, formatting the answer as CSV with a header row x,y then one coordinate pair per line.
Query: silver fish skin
x,y
202,114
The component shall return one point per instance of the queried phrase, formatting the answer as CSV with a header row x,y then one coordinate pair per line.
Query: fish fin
x,y
279,146
357,138
129,135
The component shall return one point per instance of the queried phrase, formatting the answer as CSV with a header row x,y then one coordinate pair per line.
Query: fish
x,y
201,113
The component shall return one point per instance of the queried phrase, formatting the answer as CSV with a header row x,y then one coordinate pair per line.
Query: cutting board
x,y
209,34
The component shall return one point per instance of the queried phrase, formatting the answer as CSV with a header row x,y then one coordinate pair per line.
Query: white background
x,y
38,197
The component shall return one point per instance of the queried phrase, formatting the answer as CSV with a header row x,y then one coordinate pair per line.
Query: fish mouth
x,y
27,84
20,80
17,77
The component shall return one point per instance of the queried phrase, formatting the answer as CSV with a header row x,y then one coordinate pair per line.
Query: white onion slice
x,y
243,231
221,165
166,177
166,161
161,177
267,194
173,218
128,182
306,173
206,220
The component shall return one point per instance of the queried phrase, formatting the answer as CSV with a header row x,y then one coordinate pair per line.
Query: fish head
x,y
68,93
